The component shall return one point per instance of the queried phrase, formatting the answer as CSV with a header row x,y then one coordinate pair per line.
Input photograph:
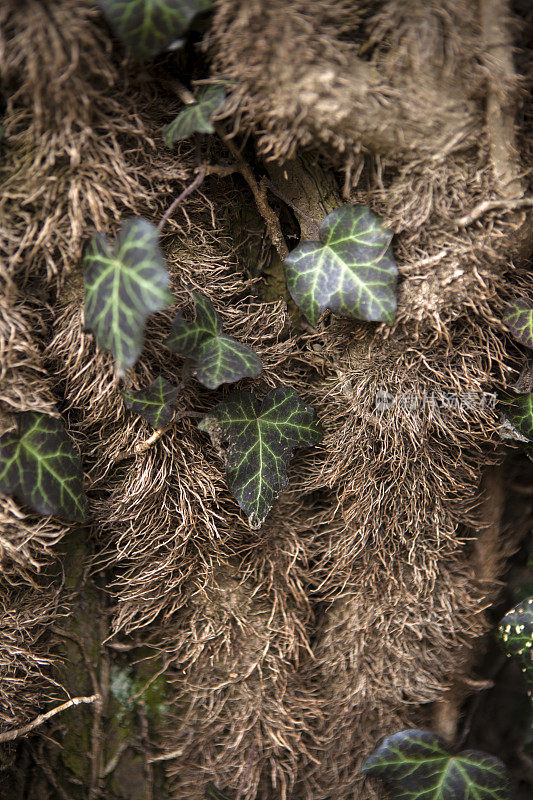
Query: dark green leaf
x,y
516,633
148,27
419,765
519,411
260,438
39,466
196,117
216,358
519,320
351,270
124,283
154,403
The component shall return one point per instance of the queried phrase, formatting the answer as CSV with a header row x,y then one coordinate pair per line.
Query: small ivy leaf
x,y
196,117
419,764
516,633
351,270
149,27
260,438
216,357
40,466
519,320
124,283
154,403
519,411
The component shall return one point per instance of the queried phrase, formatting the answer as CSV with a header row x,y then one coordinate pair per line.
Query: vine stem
x,y
9,736
260,195
202,171
157,434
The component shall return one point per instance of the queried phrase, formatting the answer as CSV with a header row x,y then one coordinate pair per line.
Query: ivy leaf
x,y
519,320
260,438
196,117
40,466
154,403
516,632
520,414
124,283
216,357
419,764
351,270
148,27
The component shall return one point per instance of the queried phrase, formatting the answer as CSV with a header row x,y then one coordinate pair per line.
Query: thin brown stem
x,y
260,196
185,193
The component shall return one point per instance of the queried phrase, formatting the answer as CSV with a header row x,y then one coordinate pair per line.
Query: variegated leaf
x,y
519,411
351,270
154,403
516,633
519,320
39,465
149,27
124,283
260,438
216,358
420,765
196,117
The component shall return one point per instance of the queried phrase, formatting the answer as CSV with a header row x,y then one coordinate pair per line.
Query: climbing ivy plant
x,y
40,466
214,357
260,437
420,765
350,271
196,117
516,635
124,283
148,27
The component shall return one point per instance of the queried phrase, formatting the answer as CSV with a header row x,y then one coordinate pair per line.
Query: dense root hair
x,y
26,665
80,151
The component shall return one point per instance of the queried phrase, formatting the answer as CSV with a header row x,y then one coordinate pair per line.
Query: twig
x,y
185,193
260,196
489,205
167,756
144,446
9,736
113,761
145,740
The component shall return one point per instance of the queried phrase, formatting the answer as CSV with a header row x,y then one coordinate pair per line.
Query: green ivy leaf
x,y
516,633
260,438
419,765
196,117
519,411
351,270
519,320
154,403
148,27
216,357
39,466
124,283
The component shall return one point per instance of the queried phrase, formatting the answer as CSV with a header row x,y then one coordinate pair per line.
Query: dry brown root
x,y
166,510
80,151
242,711
26,664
